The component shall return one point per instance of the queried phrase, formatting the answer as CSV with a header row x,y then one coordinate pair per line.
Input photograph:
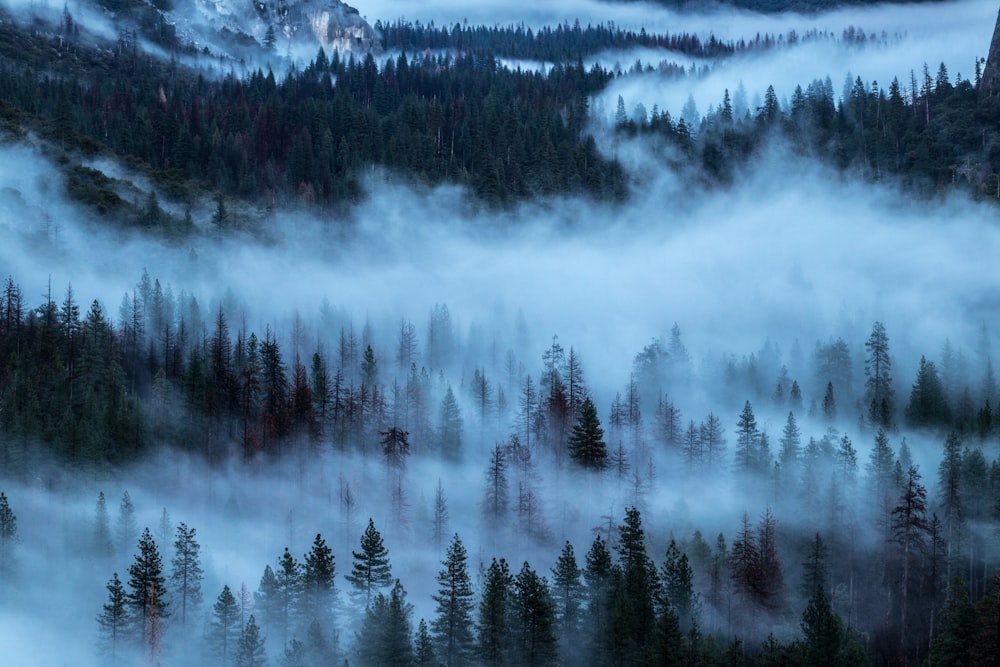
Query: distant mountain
x,y
230,26
327,23
770,6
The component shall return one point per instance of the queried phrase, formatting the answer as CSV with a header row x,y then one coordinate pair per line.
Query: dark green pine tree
x,y
384,638
224,628
953,643
8,536
103,546
493,640
568,594
186,575
453,625
250,650
747,436
823,631
288,580
597,620
928,405
147,584
318,592
633,614
677,577
532,620
370,570
267,599
423,650
450,427
586,443
113,621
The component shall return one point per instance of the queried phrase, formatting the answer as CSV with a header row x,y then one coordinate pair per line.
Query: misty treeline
x,y
845,551
447,110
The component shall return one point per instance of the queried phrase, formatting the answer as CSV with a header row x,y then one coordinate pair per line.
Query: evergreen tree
x,y
677,578
495,496
439,525
878,385
532,619
371,569
823,631
8,536
493,632
423,649
568,594
103,545
597,621
125,529
250,650
147,597
113,620
586,444
791,440
224,629
747,437
928,403
633,614
453,625
267,599
953,643
450,427
318,591
185,579
287,592
384,638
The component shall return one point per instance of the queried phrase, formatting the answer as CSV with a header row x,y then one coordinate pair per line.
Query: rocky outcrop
x,y
290,24
990,84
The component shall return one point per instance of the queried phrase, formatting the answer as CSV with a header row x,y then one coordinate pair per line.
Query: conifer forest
x,y
586,333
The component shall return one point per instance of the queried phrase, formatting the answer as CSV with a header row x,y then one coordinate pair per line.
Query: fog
x,y
790,256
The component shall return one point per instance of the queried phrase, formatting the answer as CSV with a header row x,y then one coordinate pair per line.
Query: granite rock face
x,y
990,85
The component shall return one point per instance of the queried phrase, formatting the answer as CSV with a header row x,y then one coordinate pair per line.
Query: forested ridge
x,y
446,109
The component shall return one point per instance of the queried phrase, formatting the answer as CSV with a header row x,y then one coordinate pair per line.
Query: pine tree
x,y
910,531
288,590
185,579
493,640
450,427
791,440
125,529
597,621
532,619
384,638
225,625
250,650
568,595
439,526
453,625
747,437
113,621
495,496
423,650
677,578
953,643
370,570
8,536
267,599
318,591
586,444
878,386
147,582
633,613
103,545
823,631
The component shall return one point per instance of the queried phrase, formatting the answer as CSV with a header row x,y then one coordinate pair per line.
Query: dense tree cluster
x,y
649,595
926,133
